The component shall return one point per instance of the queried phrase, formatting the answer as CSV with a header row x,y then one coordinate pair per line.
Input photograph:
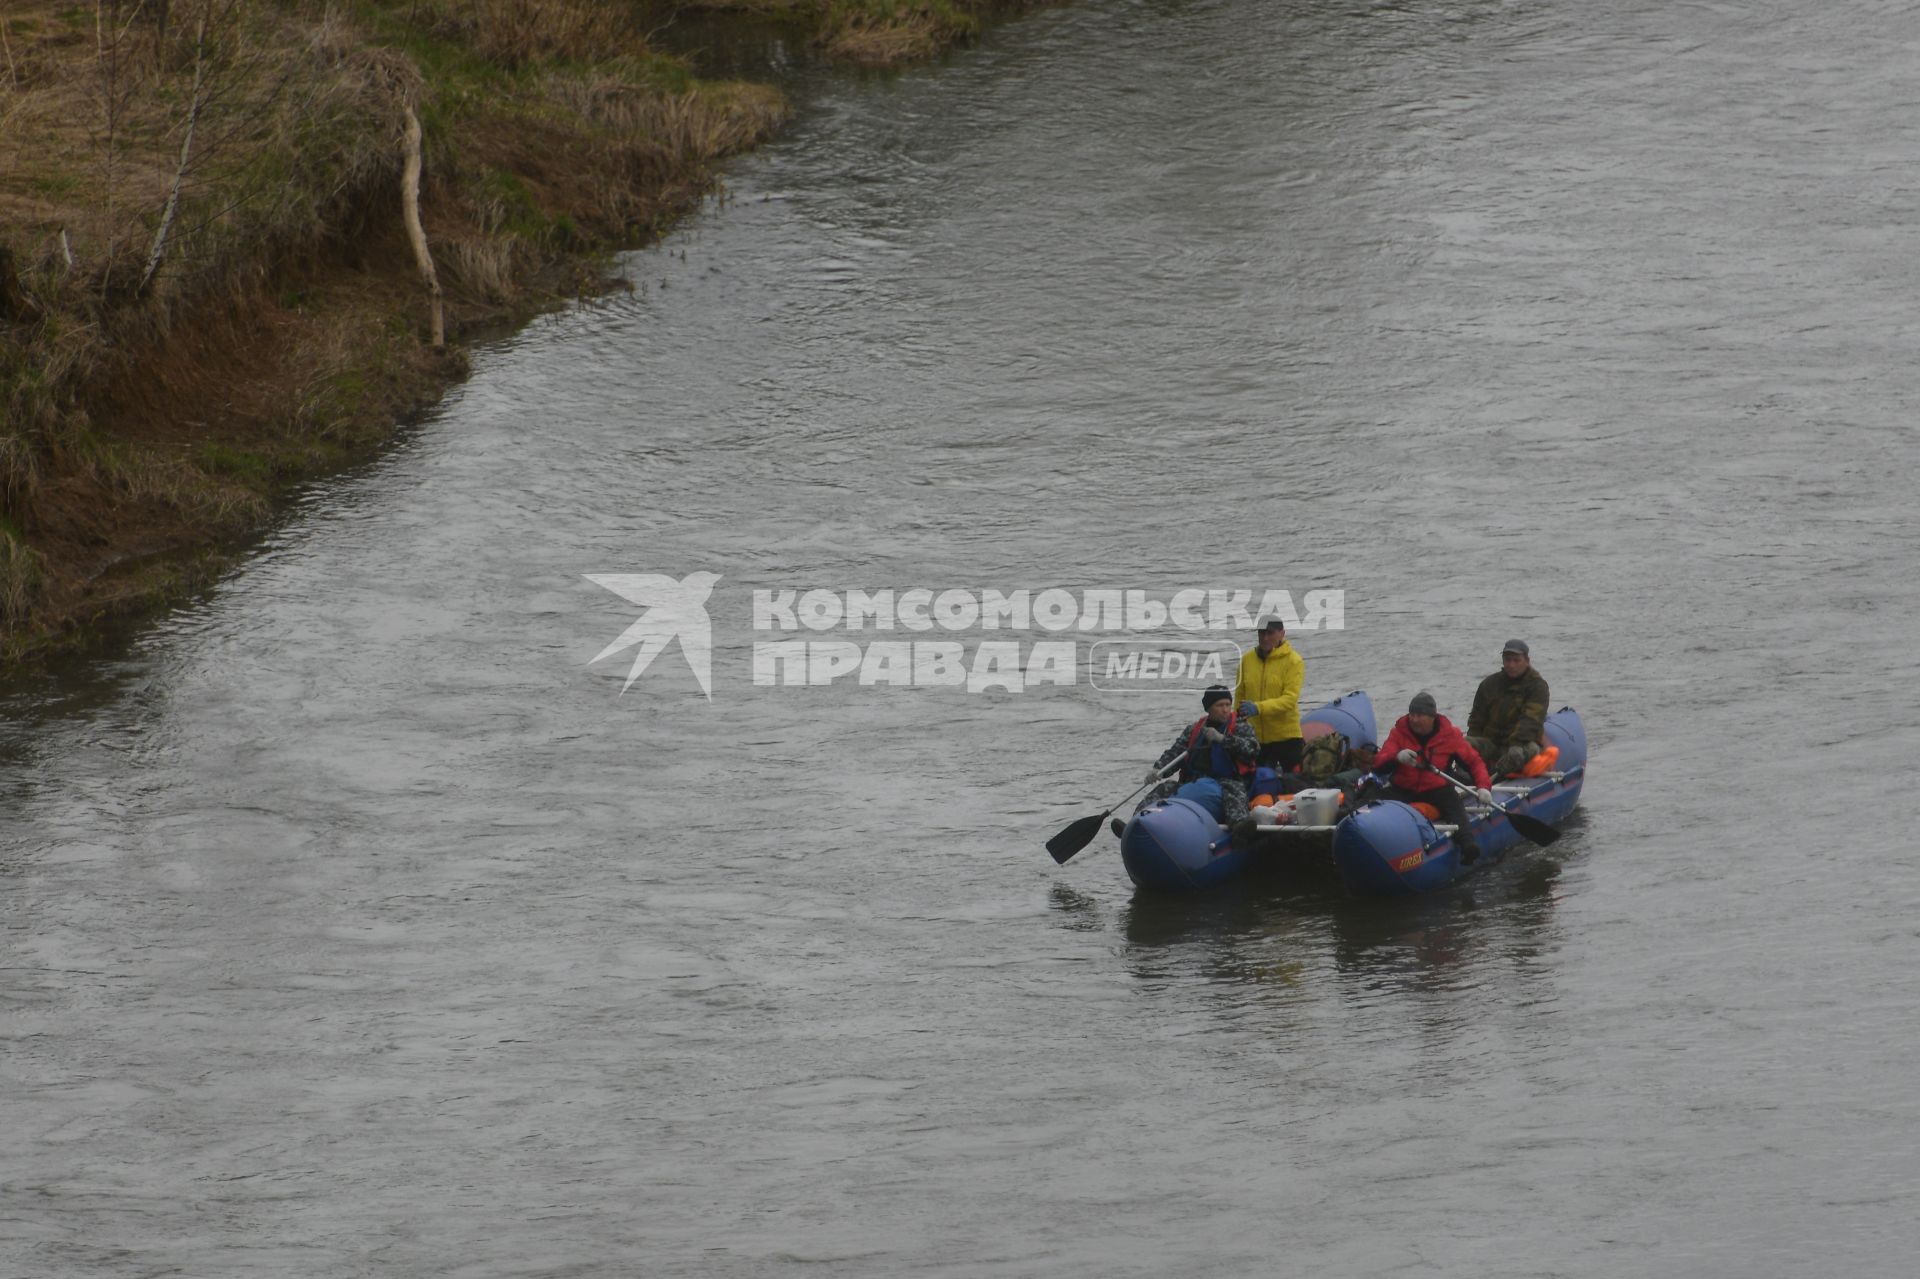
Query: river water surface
x,y
353,922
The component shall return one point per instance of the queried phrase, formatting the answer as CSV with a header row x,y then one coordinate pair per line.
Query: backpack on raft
x,y
1324,756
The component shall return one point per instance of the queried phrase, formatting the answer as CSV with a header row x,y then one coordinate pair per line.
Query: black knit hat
x,y
1214,694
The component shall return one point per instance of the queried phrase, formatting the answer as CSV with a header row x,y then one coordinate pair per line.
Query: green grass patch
x,y
246,466
659,72
53,186
512,205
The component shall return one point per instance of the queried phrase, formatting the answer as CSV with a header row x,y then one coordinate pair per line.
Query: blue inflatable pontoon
x,y
1384,849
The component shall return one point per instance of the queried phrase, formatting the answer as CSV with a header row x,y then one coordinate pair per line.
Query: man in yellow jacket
x,y
1271,674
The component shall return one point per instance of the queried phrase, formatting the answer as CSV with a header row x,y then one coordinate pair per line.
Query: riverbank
x,y
240,244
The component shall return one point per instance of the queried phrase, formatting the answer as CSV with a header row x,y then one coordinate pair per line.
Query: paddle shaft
x,y
1531,829
1162,776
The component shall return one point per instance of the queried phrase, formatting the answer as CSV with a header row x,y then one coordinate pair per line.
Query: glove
x,y
1408,758
1212,736
1153,774
1486,796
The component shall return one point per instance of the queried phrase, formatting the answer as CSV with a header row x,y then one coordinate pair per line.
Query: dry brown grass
x,y
21,572
166,478
871,42
488,267
873,33
694,125
519,33
19,464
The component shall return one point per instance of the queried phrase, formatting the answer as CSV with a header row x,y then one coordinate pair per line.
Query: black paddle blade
x,y
1532,828
1074,838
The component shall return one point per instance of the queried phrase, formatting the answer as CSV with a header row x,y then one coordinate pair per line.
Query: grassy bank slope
x,y
208,289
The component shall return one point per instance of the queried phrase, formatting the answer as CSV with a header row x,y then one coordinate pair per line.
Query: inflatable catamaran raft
x,y
1381,849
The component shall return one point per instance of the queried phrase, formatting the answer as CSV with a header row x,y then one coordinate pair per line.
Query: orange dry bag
x,y
1541,763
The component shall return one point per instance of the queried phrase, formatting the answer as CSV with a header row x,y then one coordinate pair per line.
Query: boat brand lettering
x,y
1407,863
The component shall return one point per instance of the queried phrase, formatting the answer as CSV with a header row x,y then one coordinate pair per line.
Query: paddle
x,y
1529,828
1081,833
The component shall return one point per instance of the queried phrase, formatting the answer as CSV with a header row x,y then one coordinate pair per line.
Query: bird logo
x,y
672,608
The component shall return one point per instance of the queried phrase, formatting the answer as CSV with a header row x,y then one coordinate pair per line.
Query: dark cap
x,y
1422,704
1516,646
1269,623
1214,694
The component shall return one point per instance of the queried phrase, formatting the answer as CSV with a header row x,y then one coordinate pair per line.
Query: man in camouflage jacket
x,y
1222,744
1509,710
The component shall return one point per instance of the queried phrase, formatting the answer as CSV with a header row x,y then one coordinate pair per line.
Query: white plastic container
x,y
1316,808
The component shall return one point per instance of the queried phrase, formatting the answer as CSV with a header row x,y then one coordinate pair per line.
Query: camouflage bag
x,y
1324,756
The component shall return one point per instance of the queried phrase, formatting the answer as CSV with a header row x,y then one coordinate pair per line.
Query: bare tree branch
x,y
159,249
13,76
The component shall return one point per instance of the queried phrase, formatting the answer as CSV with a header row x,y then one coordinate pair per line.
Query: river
x,y
354,921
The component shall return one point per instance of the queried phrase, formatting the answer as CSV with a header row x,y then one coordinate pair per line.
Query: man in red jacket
x,y
1421,737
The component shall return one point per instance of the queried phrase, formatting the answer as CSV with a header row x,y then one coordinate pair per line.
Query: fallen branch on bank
x,y
416,234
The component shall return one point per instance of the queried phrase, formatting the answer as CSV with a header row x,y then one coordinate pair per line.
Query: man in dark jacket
x,y
1509,710
1422,737
1221,745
